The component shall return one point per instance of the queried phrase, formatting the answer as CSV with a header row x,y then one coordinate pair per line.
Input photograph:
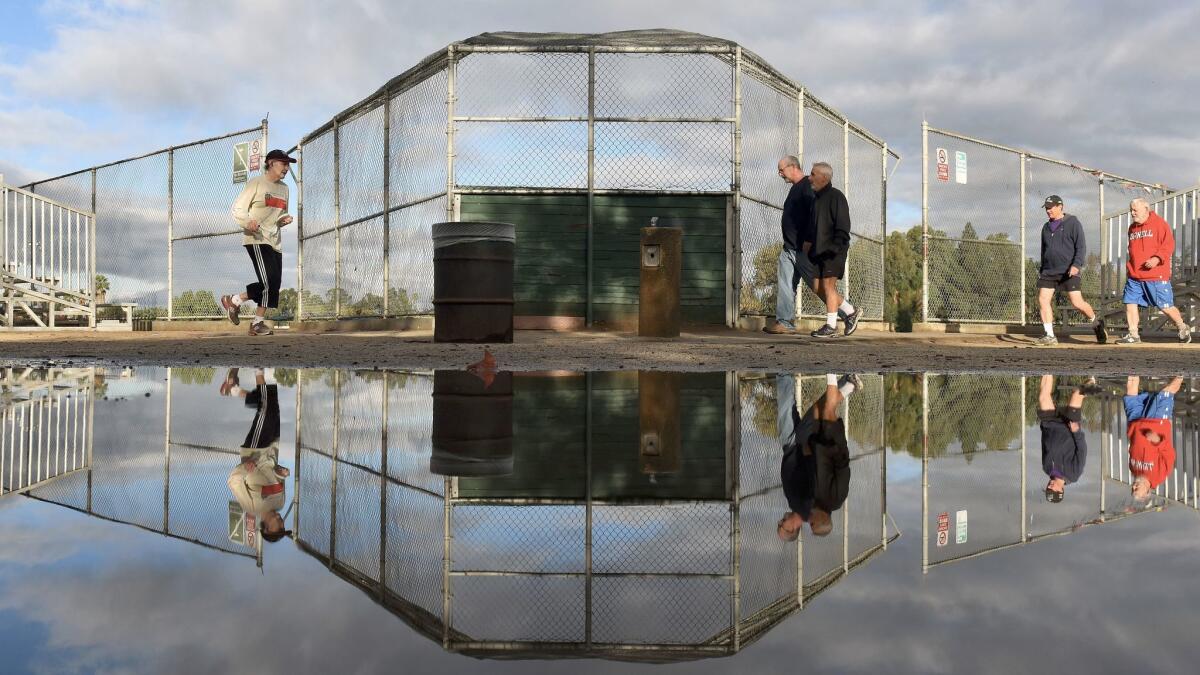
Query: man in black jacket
x,y
830,244
794,265
1064,250
1064,447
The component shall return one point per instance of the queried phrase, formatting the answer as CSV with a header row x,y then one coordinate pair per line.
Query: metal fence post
x,y
924,222
591,183
337,221
883,184
337,425
300,234
92,280
451,76
383,490
737,187
1024,515
1021,254
167,461
846,193
800,127
387,204
924,470
170,235
1103,243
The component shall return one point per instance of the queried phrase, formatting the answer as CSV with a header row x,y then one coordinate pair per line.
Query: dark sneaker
x,y
231,310
1185,334
260,328
825,331
779,329
852,321
1128,339
1046,341
1090,388
853,379
1101,332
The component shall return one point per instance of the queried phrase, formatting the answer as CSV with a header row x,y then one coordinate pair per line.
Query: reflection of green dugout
x,y
551,436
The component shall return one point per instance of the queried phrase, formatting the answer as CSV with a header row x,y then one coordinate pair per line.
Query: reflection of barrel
x,y
658,417
472,425
473,282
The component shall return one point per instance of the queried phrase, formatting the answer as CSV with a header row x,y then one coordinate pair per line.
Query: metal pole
x,y
883,185
1024,514
451,76
167,461
736,245
170,236
299,243
447,514
924,471
337,221
925,224
387,216
591,194
1021,255
296,459
337,425
587,540
383,489
846,193
92,284
89,430
1103,245
800,127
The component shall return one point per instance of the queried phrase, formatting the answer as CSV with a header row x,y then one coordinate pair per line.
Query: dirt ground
x,y
588,350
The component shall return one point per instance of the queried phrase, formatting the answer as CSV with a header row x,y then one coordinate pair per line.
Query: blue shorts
x,y
1149,293
1159,405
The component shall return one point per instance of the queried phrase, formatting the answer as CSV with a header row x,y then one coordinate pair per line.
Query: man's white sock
x,y
259,319
1049,328
236,299
831,380
831,320
846,308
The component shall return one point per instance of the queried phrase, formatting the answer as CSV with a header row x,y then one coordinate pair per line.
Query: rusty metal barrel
x,y
473,281
472,424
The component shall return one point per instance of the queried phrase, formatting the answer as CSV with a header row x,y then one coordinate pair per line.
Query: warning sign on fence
x,y
960,527
943,529
241,161
255,160
960,167
943,165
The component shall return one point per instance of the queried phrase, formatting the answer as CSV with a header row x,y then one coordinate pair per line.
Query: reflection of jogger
x,y
815,469
1148,425
1064,448
257,481
261,209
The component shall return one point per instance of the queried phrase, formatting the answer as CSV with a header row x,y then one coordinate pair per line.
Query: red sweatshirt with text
x,y
1151,238
1155,462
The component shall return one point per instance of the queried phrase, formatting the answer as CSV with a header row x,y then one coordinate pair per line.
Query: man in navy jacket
x,y
1064,251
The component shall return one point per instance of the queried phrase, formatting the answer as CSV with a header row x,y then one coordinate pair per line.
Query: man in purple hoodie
x,y
1064,251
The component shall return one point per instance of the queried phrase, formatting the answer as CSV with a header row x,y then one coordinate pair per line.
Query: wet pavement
x,y
199,519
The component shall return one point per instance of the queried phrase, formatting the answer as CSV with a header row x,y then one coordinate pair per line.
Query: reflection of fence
x,y
979,498
1182,211
145,474
163,228
45,426
48,260
532,117
981,218
589,560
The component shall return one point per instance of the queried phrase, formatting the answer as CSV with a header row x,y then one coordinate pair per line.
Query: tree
x,y
758,297
902,280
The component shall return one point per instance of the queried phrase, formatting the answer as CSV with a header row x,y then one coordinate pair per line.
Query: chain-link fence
x,y
165,238
588,558
621,114
982,216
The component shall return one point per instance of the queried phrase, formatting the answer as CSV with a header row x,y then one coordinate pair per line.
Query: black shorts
x,y
1067,414
830,264
1064,284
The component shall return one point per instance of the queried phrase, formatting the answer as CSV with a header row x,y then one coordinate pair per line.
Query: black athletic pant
x,y
268,266
265,429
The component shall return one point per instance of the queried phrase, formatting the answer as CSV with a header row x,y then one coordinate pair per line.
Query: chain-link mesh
x,y
660,610
691,538
140,204
536,538
522,85
761,245
663,86
975,206
522,154
536,609
418,141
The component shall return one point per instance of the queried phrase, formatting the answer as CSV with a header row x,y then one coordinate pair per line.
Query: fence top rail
x,y
148,154
1033,155
1194,191
42,198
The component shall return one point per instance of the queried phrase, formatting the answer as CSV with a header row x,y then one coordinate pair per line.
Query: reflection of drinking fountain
x,y
658,415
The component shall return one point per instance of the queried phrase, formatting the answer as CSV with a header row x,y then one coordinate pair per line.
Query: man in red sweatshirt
x,y
1148,425
1148,270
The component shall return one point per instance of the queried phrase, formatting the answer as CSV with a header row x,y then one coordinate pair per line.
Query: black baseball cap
x,y
281,156
1052,200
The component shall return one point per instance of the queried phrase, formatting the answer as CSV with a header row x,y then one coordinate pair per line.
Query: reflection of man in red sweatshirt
x,y
1148,425
1148,270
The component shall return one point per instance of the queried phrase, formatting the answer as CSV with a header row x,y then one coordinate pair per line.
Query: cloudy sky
x,y
1102,83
